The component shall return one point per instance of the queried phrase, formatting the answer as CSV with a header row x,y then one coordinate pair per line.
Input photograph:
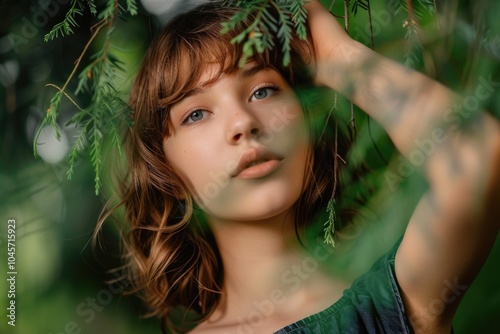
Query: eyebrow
x,y
194,91
252,71
243,75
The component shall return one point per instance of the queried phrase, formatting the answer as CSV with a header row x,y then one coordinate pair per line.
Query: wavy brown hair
x,y
172,255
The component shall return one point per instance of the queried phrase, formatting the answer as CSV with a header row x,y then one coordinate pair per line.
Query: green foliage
x,y
415,10
357,4
329,225
102,118
65,27
256,37
51,118
418,8
132,7
106,111
414,46
92,7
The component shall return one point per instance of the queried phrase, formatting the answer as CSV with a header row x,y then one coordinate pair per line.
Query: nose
x,y
243,126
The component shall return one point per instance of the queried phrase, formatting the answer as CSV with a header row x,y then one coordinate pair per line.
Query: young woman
x,y
228,169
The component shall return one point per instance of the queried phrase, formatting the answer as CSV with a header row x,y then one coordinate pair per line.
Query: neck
x,y
254,253
264,262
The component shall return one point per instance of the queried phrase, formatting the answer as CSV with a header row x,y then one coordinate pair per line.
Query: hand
x,y
327,35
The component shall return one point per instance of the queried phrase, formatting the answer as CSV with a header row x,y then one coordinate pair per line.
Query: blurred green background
x,y
61,283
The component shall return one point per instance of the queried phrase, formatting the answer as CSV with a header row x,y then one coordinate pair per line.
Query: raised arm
x,y
456,223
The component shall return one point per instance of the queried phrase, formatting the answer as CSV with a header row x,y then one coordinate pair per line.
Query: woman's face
x,y
240,144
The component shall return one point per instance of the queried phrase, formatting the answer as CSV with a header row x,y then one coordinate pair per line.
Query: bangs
x,y
198,46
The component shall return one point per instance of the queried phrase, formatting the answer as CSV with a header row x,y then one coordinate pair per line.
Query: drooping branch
x,y
106,109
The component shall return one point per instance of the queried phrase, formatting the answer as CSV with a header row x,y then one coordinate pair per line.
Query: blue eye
x,y
194,116
264,92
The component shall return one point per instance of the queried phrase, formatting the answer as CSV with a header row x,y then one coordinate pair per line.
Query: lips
x,y
256,163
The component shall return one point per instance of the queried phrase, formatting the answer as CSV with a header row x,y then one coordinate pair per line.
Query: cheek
x,y
285,121
291,131
182,158
194,163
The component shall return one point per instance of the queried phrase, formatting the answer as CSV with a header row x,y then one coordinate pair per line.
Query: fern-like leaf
x,y
418,8
285,36
299,18
106,111
78,147
132,7
356,5
96,156
414,46
109,11
329,225
65,27
50,119
92,7
258,36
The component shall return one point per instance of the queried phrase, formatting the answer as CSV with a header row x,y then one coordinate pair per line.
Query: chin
x,y
255,209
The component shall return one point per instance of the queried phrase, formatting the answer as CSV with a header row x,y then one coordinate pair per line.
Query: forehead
x,y
212,73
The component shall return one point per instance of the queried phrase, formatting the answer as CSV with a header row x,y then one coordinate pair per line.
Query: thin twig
x,y
331,5
409,7
353,120
411,14
372,44
77,63
110,25
65,94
